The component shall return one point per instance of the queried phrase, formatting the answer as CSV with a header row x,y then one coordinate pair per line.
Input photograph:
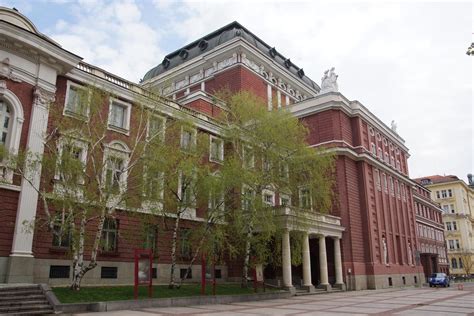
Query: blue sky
x,y
404,60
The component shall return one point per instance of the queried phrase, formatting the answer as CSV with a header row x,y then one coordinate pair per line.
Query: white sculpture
x,y
385,253
329,81
394,126
410,258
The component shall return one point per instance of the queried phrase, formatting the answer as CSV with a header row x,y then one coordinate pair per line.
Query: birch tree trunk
x,y
173,252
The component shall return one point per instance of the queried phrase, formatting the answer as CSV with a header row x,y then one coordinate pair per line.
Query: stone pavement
x,y
409,301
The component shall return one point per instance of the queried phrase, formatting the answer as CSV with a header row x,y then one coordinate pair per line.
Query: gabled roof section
x,y
218,37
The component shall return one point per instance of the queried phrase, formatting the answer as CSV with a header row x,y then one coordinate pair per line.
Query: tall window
x,y
119,115
153,186
149,241
109,235
185,243
450,193
451,244
188,139
391,185
454,263
72,160
5,119
448,226
75,103
305,198
455,227
156,127
185,191
248,157
61,236
216,149
385,185
247,198
115,172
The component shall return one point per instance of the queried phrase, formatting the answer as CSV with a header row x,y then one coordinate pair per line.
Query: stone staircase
x,y
24,300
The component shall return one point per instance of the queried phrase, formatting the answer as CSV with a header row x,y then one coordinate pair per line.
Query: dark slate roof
x,y
217,38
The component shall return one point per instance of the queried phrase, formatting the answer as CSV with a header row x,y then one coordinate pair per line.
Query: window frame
x,y
163,126
300,197
128,111
220,158
106,232
267,192
112,150
193,140
67,112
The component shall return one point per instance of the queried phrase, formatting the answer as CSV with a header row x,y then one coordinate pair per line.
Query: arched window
x,y
11,121
5,119
454,263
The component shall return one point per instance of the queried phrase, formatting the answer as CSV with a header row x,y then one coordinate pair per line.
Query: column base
x,y
290,289
20,269
309,288
326,287
340,286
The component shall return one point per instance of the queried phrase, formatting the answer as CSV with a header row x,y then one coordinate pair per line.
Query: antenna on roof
x,y
15,9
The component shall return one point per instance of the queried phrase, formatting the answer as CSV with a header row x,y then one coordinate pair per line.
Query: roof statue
x,y
329,81
394,126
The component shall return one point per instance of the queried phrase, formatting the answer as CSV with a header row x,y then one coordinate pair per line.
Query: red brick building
x,y
430,231
368,241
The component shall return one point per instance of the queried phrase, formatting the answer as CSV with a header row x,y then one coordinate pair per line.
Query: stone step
x,y
45,308
20,297
24,302
10,287
42,312
23,293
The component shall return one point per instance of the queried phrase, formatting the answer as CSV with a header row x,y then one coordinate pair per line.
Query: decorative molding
x,y
42,97
6,71
228,62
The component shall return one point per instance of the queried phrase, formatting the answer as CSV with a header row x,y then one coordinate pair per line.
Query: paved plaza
x,y
409,301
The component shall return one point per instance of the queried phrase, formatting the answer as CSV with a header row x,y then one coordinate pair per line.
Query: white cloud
x,y
112,35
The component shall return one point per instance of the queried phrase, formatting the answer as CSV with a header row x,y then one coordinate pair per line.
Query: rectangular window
x,y
153,186
114,173
156,127
455,227
444,194
182,273
269,198
305,198
61,237
186,190
76,103
451,206
119,115
185,243
108,272
285,200
188,139
458,245
248,157
59,272
446,208
71,163
216,150
109,235
149,241
247,198
451,244
437,195
450,193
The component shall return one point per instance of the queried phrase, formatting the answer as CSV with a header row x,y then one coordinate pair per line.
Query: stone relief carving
x,y
6,70
329,81
385,252
42,97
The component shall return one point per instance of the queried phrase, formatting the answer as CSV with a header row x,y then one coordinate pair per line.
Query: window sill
x,y
118,129
79,116
218,161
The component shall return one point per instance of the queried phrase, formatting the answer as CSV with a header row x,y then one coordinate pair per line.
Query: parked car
x,y
438,279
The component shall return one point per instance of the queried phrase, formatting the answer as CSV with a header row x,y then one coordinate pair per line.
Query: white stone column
x,y
323,263
338,260
307,264
286,260
20,269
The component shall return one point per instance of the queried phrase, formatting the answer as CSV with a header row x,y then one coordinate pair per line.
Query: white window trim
x,y
287,196
147,204
16,119
77,143
193,138
124,154
70,113
246,187
300,197
128,106
220,159
268,192
163,130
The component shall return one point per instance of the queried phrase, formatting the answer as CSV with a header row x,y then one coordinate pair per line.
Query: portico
x,y
324,228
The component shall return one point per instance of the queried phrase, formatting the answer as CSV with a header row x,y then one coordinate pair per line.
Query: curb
x,y
164,302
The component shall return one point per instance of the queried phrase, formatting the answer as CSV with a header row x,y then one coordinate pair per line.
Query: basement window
x,y
59,272
108,272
